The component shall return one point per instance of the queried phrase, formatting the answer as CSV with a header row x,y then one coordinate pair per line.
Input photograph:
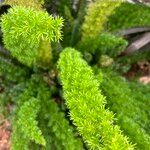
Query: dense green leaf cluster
x,y
129,15
19,140
62,8
87,105
30,82
39,120
132,115
95,38
37,4
97,16
142,96
103,44
25,28
27,121
63,134
73,13
12,72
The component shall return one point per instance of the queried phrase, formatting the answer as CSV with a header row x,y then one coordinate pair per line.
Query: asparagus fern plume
x,y
87,104
29,126
103,44
97,15
37,4
25,30
25,124
39,122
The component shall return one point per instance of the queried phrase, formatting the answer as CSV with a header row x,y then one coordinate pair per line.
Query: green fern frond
x,y
97,15
87,105
132,117
25,129
27,121
23,30
63,134
103,44
37,4
19,139
61,129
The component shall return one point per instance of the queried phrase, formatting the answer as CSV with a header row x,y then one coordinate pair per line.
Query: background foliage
x,y
73,98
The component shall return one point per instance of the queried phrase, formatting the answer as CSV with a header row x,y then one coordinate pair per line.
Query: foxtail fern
x,y
87,104
20,136
39,121
103,44
27,32
27,121
132,118
97,15
37,4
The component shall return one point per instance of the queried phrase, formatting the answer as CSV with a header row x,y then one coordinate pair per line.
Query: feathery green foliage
x,y
23,30
104,44
73,13
29,80
129,15
63,134
37,4
87,105
11,91
142,96
27,121
12,72
52,131
19,140
131,117
97,16
64,9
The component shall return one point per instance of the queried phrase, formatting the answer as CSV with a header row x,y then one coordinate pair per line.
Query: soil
x,y
139,71
4,134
